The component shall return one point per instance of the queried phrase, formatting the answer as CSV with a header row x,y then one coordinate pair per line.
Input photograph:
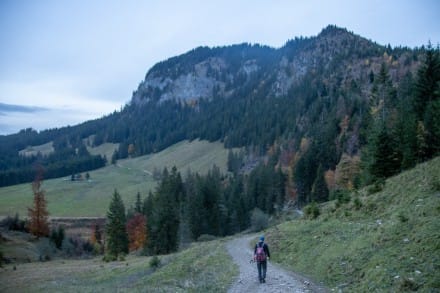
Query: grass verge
x,y
388,241
204,267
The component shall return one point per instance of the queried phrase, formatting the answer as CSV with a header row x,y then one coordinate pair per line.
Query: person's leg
x,y
260,277
264,267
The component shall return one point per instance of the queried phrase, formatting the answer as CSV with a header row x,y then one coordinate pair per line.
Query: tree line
x,y
180,210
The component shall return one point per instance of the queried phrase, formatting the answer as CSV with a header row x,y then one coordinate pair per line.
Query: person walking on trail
x,y
261,255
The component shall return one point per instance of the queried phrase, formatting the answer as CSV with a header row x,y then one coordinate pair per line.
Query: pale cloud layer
x,y
83,59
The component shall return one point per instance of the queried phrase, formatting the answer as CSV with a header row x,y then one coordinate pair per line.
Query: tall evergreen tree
x,y
319,189
165,217
427,84
138,204
385,161
426,103
117,238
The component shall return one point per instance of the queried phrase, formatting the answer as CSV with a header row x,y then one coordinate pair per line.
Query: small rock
x,y
418,272
406,240
379,222
396,277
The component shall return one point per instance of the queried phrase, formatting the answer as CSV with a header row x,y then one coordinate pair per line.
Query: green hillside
x,y
378,241
204,267
385,241
91,198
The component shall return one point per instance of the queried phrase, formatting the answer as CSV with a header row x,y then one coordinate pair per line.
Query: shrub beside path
x,y
277,279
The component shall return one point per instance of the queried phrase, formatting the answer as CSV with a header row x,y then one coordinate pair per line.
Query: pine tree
x,y
38,215
426,101
138,204
319,189
117,238
385,161
427,85
432,122
164,219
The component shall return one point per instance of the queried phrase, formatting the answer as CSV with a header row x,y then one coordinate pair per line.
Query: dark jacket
x,y
265,248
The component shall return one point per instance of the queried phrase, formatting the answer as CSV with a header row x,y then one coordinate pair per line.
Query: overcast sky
x,y
65,62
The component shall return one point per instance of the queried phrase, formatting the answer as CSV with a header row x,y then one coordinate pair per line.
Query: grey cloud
x,y
5,108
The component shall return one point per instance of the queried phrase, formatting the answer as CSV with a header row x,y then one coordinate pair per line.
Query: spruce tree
x,y
138,204
385,161
426,102
319,189
427,85
164,219
117,238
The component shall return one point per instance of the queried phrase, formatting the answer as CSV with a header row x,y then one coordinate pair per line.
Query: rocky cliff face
x,y
205,73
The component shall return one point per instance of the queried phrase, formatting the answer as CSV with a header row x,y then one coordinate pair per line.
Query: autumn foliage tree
x,y
137,232
38,214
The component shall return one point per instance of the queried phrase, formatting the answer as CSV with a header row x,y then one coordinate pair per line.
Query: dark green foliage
x,y
154,262
377,186
14,223
312,210
207,209
163,220
434,182
235,161
427,85
342,196
266,188
109,258
319,189
138,204
386,161
357,203
432,123
57,236
116,234
68,158
76,246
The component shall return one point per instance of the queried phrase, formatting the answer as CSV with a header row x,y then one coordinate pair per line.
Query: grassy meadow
x,y
130,176
204,267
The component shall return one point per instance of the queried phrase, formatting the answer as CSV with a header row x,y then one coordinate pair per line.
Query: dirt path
x,y
277,279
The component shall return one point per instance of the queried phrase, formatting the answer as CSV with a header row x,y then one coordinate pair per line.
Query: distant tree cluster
x,y
181,211
65,161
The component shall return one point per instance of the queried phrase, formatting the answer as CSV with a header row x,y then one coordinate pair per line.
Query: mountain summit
x,y
227,71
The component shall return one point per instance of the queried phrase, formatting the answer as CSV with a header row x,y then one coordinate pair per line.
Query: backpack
x,y
261,254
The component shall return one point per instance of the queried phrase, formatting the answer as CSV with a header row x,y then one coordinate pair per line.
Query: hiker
x,y
261,255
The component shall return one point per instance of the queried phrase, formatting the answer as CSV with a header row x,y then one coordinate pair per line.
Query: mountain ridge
x,y
195,74
317,90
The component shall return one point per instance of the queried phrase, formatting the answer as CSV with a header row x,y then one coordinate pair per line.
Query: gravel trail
x,y
277,279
